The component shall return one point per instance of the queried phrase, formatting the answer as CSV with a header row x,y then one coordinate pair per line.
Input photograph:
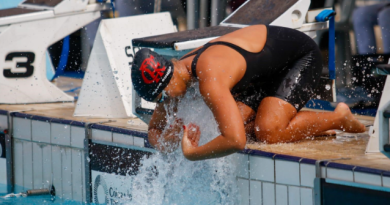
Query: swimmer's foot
x,y
326,133
348,122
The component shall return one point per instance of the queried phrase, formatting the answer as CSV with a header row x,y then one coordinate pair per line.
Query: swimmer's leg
x,y
278,121
248,117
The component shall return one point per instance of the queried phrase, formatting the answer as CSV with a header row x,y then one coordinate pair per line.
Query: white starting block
x,y
379,132
25,34
107,88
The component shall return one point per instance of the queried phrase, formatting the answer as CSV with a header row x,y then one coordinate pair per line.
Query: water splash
x,y
172,179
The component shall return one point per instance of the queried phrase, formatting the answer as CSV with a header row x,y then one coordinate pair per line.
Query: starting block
x,y
107,90
25,34
379,132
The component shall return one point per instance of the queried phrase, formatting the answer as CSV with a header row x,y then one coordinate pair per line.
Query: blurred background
x,y
362,40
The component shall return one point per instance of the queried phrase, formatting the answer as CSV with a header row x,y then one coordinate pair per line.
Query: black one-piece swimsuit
x,y
289,67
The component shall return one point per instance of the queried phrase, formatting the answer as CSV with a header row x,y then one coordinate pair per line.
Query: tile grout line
x,y
43,169
262,195
249,179
300,196
62,184
288,201
71,166
300,177
23,165
82,178
381,179
273,159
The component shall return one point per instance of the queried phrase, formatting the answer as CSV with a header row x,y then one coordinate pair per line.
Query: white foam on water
x,y
172,179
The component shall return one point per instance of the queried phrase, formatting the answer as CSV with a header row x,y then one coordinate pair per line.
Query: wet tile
x,y
268,193
27,165
386,181
77,136
57,170
123,139
22,128
306,196
38,165
77,175
47,172
294,195
40,131
243,186
60,134
66,166
308,173
344,175
287,172
139,142
366,178
262,168
255,192
281,195
242,165
101,135
17,157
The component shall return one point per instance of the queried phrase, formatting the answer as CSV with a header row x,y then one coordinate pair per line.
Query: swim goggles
x,y
163,97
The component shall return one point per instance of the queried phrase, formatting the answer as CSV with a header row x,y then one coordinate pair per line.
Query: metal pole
x,y
192,8
157,6
217,11
203,13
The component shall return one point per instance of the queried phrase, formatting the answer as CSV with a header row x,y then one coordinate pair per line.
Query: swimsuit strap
x,y
200,51
189,54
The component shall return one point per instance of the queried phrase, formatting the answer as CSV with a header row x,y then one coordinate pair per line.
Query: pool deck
x,y
320,148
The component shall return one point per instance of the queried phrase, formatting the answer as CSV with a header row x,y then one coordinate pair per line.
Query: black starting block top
x,y
168,40
48,3
250,13
19,11
16,11
259,12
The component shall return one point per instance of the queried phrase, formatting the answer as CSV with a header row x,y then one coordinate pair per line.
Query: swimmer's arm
x,y
227,115
157,125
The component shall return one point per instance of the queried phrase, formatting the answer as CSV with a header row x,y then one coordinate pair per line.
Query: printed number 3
x,y
29,68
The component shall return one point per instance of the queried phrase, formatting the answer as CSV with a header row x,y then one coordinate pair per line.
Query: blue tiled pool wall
x,y
267,178
49,150
263,177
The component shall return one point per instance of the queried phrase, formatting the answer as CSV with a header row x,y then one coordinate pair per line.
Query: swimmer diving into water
x,y
254,80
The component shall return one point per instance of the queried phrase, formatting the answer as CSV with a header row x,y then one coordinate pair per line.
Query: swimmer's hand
x,y
191,136
167,141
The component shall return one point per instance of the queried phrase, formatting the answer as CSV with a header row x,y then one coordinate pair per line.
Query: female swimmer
x,y
255,81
